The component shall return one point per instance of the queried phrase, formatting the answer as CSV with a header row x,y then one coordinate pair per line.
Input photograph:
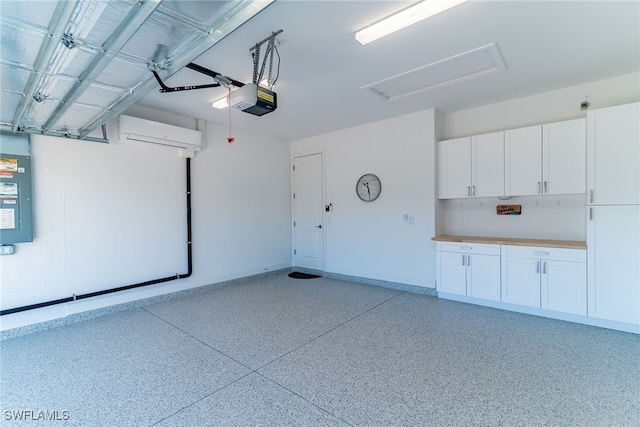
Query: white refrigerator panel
x,y
613,248
613,155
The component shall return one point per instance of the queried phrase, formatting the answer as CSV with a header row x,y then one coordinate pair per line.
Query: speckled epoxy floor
x,y
279,351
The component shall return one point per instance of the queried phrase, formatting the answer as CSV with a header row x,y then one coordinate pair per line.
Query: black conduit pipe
x,y
135,285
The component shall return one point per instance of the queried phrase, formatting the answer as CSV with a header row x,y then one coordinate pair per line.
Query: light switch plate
x,y
6,250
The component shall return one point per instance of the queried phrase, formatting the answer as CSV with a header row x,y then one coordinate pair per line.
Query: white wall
x,y
242,212
547,217
548,107
109,215
370,239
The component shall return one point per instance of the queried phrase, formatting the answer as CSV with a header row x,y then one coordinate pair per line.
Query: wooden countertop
x,y
568,244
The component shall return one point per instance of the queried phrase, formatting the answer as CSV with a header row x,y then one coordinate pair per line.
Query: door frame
x,y
292,158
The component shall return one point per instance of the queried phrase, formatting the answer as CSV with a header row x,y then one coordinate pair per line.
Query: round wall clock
x,y
368,187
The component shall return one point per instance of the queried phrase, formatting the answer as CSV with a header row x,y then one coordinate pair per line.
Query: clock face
x,y
368,187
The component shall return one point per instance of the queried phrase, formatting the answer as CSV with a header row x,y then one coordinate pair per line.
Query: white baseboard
x,y
56,315
576,318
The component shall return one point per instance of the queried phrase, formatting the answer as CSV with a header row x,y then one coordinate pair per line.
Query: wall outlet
x,y
6,250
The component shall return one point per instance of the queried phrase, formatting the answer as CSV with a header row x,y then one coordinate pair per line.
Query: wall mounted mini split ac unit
x,y
141,130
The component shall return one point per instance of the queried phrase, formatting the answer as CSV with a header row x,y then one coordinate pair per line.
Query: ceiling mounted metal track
x,y
219,29
257,76
70,66
200,69
112,46
62,15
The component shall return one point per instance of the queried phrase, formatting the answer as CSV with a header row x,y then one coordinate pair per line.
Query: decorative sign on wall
x,y
509,209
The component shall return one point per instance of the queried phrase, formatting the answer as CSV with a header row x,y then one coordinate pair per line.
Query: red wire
x,y
230,139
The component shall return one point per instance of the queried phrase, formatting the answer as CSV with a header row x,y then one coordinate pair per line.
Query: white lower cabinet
x,y
543,278
521,281
548,278
469,269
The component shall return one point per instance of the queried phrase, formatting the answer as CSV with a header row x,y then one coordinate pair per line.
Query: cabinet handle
x,y
540,253
539,187
545,187
463,257
544,267
466,248
468,260
469,191
591,196
591,214
473,193
537,267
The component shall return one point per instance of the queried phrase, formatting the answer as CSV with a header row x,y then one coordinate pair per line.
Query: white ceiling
x,y
327,80
68,66
545,45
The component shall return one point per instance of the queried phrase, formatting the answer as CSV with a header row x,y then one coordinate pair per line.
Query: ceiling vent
x,y
472,64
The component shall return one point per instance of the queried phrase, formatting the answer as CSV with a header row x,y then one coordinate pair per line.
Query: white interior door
x,y
308,208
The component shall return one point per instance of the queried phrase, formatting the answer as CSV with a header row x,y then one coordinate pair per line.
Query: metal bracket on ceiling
x,y
68,41
271,40
39,97
62,133
220,80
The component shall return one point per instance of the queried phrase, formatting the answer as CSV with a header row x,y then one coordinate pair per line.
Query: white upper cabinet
x,y
531,161
564,157
613,155
546,159
523,161
454,168
471,167
487,167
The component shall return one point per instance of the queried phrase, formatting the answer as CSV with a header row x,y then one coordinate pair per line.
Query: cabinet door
x,y
564,157
564,286
487,166
523,161
521,281
483,276
454,168
452,272
613,251
613,155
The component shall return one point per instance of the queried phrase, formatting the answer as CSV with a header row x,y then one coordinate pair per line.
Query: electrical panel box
x,y
16,223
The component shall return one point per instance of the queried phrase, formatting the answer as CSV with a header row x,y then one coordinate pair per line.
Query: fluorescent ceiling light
x,y
404,18
221,103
